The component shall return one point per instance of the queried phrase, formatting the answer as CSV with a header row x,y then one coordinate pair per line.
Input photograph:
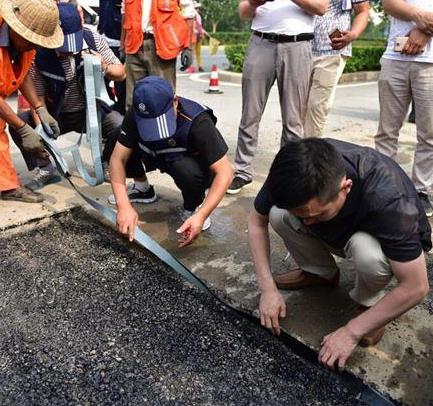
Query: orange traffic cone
x,y
214,87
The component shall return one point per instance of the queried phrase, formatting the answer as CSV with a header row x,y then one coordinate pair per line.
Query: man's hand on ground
x,y
345,39
272,307
337,347
127,220
190,229
416,42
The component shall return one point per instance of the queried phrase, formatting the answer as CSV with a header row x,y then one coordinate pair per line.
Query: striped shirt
x,y
339,15
74,99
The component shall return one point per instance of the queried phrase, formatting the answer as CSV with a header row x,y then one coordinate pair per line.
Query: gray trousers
x,y
290,65
145,63
399,83
373,272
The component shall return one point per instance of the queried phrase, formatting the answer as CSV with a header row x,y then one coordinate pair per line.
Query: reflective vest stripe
x,y
161,151
162,126
52,75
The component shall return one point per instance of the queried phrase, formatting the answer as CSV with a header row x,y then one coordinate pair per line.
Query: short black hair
x,y
303,170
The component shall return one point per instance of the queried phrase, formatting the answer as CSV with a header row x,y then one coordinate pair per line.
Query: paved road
x,y
353,116
88,320
208,60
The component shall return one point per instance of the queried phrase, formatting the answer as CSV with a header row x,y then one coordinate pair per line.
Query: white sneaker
x,y
137,196
185,214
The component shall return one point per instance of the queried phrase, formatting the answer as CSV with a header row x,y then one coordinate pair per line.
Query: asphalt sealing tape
x,y
365,393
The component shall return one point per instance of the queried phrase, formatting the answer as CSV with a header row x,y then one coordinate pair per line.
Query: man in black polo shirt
x,y
177,136
329,196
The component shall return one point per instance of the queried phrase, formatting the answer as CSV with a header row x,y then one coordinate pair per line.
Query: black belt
x,y
147,35
273,37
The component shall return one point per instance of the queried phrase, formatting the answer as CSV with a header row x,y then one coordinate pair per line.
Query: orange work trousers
x,y
8,175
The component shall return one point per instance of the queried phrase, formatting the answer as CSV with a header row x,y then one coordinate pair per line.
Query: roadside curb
x,y
356,77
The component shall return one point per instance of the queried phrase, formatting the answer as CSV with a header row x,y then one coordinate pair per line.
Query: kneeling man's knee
x,y
366,253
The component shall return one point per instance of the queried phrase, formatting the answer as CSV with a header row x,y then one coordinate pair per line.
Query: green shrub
x,y
365,56
367,43
236,55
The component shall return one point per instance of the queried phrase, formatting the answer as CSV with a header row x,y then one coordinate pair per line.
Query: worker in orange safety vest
x,y
24,25
154,32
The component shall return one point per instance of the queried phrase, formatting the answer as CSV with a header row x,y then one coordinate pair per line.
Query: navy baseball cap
x,y
153,107
70,21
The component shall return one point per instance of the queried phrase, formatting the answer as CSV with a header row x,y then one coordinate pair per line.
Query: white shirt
x,y
400,28
186,8
282,17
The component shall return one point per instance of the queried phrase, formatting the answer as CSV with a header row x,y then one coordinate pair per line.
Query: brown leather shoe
x,y
298,279
22,194
371,338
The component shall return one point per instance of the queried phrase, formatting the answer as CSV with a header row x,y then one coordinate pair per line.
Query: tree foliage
x,y
377,5
222,15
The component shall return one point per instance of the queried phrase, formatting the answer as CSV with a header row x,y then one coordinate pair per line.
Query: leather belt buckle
x,y
271,37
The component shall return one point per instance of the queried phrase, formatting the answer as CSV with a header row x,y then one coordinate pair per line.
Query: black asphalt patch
x,y
86,318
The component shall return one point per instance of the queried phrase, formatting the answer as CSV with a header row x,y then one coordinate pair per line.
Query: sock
x,y
142,186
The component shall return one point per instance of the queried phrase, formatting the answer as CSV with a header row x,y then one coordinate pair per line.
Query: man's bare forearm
x,y
223,177
412,288
247,10
360,21
115,72
314,7
28,90
118,175
400,9
259,244
8,115
394,304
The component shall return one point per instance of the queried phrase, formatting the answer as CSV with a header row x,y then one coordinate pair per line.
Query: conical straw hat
x,y
35,20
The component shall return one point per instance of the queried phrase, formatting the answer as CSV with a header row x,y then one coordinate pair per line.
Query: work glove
x,y
186,59
51,127
30,139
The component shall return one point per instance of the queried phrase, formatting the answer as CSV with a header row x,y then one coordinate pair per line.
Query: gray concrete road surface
x,y
208,60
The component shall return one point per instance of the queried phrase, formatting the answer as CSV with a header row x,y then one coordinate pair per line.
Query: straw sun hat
x,y
37,21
